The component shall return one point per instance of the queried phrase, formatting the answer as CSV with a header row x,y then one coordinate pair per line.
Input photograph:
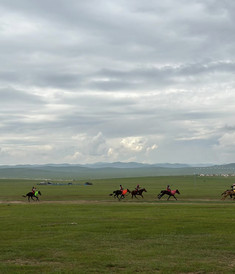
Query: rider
x,y
137,188
233,187
124,191
33,189
168,188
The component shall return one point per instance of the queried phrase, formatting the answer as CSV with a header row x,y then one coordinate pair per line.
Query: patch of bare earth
x,y
31,262
154,202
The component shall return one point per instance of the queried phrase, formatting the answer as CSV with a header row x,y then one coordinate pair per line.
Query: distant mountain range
x,y
110,170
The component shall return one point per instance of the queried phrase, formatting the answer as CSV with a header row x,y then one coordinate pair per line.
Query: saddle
x,y
124,192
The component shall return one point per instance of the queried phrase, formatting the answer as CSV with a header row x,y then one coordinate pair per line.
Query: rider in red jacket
x,y
168,188
33,189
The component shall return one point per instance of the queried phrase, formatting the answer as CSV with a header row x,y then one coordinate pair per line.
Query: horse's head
x,y
128,190
177,191
39,192
143,189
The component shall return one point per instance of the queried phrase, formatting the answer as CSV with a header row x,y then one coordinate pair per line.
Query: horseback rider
x,y
124,191
168,188
137,188
33,189
233,187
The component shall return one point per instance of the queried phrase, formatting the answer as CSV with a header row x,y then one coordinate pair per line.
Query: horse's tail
x,y
111,194
161,194
24,196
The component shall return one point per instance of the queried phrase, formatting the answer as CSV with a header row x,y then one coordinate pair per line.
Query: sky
x,y
117,80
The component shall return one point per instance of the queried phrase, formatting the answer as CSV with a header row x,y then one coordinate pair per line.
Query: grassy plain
x,y
81,229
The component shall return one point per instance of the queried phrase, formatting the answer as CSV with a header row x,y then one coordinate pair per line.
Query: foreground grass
x,y
117,237
81,229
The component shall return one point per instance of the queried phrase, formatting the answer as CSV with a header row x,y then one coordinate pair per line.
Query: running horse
x,y
121,193
169,193
138,192
32,195
228,192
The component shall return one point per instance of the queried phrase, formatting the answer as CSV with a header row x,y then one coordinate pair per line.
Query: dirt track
x,y
155,202
54,202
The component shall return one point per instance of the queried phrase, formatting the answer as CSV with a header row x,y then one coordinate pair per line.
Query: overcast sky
x,y
114,80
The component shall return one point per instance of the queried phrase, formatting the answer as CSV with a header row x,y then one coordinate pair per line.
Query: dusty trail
x,y
139,202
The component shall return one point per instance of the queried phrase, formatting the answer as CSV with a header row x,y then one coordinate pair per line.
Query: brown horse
x,y
169,193
227,193
138,192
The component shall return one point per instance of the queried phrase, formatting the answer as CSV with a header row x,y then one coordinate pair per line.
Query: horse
x,y
32,195
118,192
170,193
138,192
228,192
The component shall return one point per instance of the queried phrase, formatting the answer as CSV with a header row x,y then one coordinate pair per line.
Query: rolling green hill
x,y
66,171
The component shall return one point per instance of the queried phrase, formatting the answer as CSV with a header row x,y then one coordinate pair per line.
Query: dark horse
x,y
32,195
121,193
228,192
169,193
138,192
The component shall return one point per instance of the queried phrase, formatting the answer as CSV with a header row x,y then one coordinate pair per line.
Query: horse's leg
x,y
223,198
169,197
174,197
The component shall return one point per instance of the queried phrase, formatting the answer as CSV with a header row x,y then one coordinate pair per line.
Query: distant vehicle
x,y
88,184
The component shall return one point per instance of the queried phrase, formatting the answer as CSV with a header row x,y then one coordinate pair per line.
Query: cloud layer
x,y
119,81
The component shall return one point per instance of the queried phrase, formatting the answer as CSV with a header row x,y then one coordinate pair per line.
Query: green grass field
x,y
81,229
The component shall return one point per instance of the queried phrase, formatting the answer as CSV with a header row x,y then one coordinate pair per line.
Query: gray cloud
x,y
122,80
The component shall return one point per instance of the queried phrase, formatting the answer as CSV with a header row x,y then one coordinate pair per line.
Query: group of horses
x,y
120,194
